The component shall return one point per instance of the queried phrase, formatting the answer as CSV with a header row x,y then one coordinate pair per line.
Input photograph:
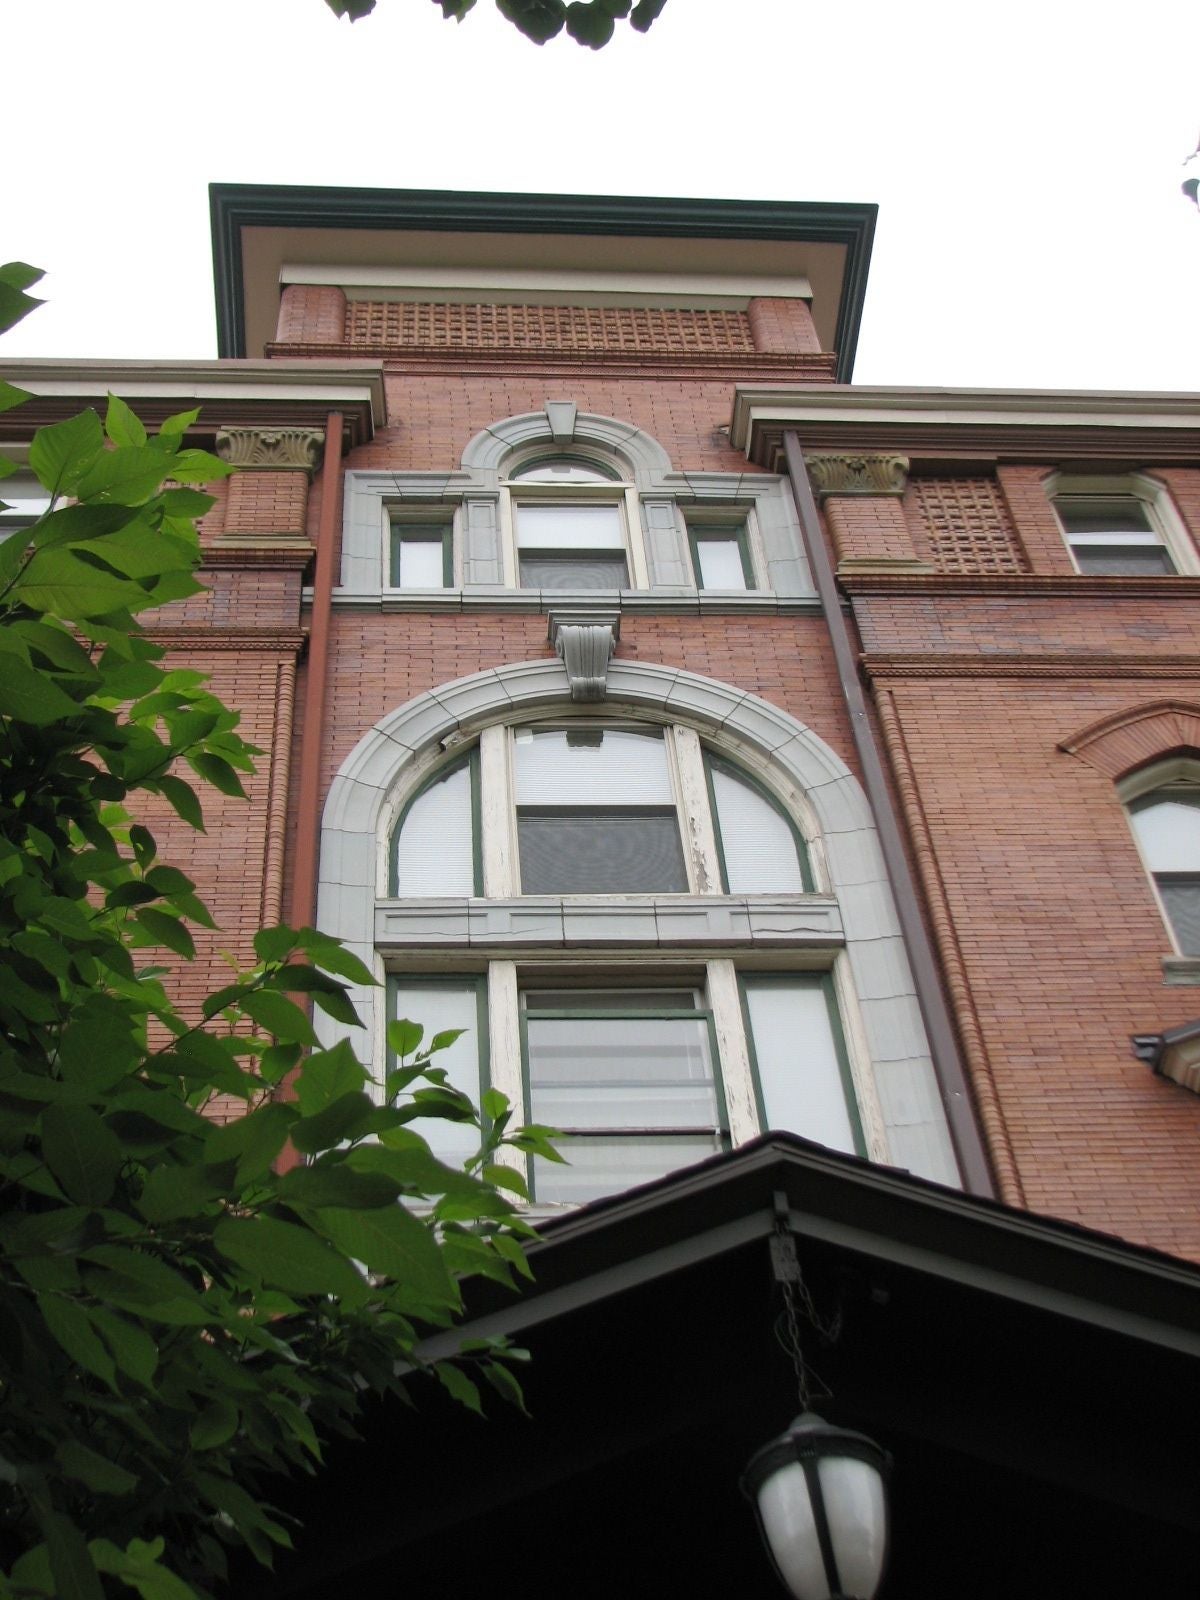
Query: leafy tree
x,y
589,22
179,1320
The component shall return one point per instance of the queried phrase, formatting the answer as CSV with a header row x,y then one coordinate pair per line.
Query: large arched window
x,y
617,821
1164,810
663,921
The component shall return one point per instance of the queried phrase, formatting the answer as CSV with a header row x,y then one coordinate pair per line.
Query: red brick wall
x,y
1063,943
434,417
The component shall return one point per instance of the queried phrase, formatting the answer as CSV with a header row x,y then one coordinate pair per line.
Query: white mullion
x,y
858,1055
496,818
695,815
504,1050
725,1002
639,572
508,540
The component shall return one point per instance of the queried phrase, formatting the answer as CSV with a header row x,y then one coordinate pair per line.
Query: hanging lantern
x,y
821,1498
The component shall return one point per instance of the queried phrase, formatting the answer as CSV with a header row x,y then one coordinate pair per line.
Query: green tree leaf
x,y
96,1471
81,1152
120,424
395,1243
286,1256
61,453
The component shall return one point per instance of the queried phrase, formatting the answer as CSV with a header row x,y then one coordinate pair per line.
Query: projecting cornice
x,y
277,394
975,423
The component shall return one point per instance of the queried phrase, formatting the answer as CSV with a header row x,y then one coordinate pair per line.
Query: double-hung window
x,y
1122,526
1166,823
629,1077
596,812
569,522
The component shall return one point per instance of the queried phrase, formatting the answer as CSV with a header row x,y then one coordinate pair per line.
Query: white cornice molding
x,y
328,383
561,286
758,407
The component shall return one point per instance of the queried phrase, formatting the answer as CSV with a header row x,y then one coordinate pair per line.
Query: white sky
x,y
1026,155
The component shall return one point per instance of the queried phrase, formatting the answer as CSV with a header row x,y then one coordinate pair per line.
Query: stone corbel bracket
x,y
857,474
272,449
585,641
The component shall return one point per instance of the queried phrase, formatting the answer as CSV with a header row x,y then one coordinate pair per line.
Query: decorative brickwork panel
x,y
966,525
869,528
404,324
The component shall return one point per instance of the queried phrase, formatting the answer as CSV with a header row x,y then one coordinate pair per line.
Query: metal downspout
x,y
947,1064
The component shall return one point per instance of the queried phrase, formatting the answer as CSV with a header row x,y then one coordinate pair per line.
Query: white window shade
x,y
435,848
720,563
757,843
1168,830
419,563
586,767
563,527
799,1072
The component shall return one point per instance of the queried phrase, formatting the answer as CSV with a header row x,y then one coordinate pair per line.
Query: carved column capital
x,y
857,474
585,641
272,449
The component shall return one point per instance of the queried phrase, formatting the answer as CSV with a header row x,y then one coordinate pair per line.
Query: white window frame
x,y
1179,771
1161,516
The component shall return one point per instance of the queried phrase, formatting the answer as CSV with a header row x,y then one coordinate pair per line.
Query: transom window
x,y
592,808
1166,822
561,469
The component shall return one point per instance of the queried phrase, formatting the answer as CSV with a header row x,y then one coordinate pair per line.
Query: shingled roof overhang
x,y
257,228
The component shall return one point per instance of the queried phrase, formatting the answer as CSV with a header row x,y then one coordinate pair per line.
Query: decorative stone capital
x,y
858,474
272,449
585,641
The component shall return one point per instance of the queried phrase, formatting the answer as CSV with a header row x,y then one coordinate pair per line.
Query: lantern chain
x,y
798,1302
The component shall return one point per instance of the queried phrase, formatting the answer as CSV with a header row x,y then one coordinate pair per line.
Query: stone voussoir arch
x,y
490,448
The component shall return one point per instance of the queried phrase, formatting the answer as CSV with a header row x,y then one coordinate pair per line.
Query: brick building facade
x,y
618,666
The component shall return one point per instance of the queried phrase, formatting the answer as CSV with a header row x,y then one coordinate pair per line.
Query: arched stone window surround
x,y
657,497
876,991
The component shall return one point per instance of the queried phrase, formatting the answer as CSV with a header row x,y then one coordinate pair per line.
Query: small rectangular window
x,y
422,555
720,555
629,1077
1113,536
563,546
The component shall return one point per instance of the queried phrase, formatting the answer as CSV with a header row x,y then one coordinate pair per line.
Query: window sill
x,y
619,922
1181,971
686,601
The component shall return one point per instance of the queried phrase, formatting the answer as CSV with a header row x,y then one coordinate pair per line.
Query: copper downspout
x,y
308,792
947,1064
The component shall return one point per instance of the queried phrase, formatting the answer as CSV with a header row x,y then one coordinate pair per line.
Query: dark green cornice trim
x,y
235,206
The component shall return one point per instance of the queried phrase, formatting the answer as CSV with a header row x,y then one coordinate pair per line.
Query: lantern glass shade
x,y
816,1473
